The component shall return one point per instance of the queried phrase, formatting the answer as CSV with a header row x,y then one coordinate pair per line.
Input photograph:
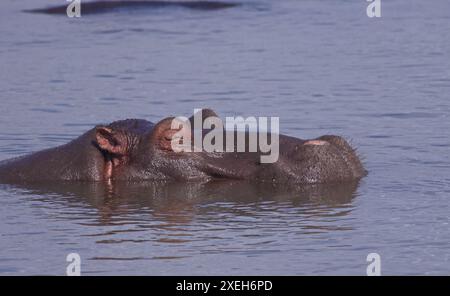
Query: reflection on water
x,y
199,219
183,203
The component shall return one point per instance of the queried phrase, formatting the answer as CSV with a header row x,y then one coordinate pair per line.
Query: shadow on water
x,y
97,7
181,203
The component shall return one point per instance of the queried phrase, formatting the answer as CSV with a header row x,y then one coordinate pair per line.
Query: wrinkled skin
x,y
138,150
96,7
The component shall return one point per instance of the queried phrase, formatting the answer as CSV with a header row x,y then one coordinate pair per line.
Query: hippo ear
x,y
172,134
203,114
110,140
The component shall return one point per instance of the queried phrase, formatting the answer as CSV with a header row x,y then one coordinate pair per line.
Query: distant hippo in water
x,y
138,150
93,7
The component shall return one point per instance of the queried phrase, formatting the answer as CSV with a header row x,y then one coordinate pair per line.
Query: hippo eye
x,y
172,135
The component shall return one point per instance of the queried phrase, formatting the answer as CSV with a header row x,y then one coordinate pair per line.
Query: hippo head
x,y
149,154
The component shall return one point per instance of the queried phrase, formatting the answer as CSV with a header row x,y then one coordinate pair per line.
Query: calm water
x,y
322,66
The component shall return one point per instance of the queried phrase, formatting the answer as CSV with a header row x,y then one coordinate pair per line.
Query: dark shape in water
x,y
106,6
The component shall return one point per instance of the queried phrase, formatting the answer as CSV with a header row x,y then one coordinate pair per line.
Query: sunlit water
x,y
323,67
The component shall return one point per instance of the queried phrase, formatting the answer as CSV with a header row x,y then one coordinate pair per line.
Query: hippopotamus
x,y
96,7
139,150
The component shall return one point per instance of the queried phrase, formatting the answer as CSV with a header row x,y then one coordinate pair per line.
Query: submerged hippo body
x,y
97,7
78,160
137,150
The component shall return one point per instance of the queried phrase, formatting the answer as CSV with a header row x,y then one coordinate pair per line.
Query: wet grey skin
x,y
96,7
139,150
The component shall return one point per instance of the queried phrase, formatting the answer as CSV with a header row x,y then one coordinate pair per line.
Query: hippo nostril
x,y
316,142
